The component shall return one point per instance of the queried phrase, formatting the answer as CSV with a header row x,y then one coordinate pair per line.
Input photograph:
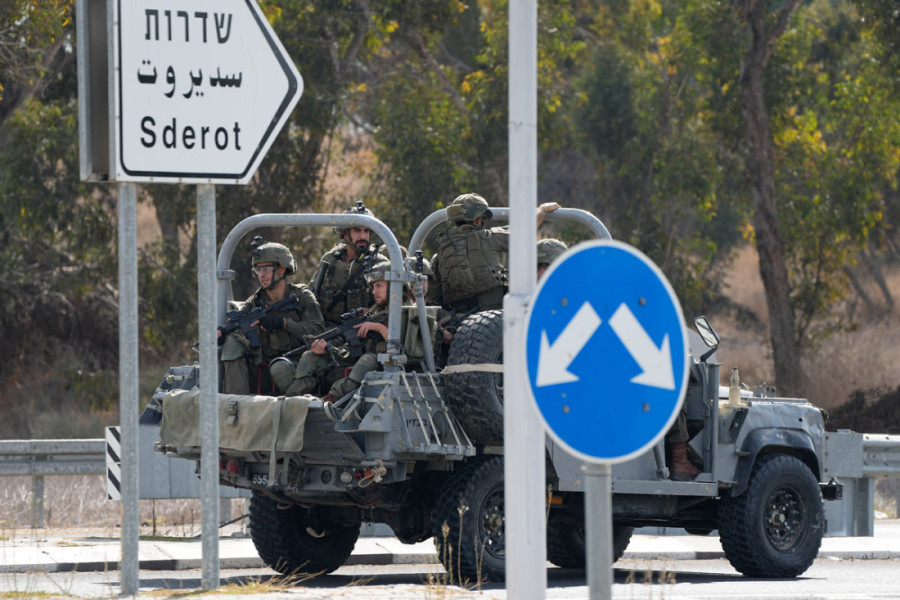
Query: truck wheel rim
x,y
492,524
785,519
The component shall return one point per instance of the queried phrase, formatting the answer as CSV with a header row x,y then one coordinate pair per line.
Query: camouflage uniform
x,y
237,356
315,369
334,271
468,266
329,283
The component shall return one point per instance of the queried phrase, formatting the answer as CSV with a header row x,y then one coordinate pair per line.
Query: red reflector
x,y
232,467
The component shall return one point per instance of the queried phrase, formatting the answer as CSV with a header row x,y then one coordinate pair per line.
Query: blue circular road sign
x,y
607,352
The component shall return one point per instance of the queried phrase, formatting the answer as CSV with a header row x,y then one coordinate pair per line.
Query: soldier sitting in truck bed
x,y
278,331
315,364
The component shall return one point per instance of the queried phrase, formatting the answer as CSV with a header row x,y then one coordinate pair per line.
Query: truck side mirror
x,y
707,334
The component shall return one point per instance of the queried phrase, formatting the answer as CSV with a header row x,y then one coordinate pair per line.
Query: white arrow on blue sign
x,y
607,352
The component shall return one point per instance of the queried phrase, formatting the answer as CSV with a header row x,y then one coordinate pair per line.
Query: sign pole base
x,y
598,529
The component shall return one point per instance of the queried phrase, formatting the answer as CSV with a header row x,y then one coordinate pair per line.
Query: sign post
x,y
607,356
176,91
201,89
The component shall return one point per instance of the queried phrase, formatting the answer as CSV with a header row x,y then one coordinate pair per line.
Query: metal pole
x,y
598,529
128,384
209,384
525,470
37,499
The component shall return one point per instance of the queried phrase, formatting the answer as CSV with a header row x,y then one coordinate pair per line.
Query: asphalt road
x,y
827,579
654,567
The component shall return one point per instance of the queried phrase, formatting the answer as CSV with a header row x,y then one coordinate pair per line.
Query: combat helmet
x,y
271,252
549,249
359,208
468,207
377,272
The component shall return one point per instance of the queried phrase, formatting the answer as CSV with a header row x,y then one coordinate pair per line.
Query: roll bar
x,y
502,213
398,275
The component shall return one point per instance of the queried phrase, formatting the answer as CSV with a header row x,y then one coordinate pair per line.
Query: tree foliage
x,y
688,127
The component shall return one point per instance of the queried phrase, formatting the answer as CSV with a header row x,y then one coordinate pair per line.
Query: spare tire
x,y
476,396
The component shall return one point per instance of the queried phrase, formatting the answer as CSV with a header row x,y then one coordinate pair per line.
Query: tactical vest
x,y
333,302
467,266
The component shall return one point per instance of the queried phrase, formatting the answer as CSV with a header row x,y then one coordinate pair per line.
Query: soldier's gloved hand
x,y
271,323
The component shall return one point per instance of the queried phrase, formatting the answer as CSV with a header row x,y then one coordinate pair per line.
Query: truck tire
x,y
476,397
566,543
293,540
775,528
468,524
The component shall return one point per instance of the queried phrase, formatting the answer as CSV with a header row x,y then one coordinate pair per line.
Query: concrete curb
x,y
80,554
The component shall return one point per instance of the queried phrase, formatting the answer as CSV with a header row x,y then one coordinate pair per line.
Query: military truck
x,y
419,447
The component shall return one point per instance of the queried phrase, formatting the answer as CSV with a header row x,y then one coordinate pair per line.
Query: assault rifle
x,y
244,319
344,335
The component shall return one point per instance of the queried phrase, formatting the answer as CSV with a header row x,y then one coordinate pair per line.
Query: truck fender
x,y
773,440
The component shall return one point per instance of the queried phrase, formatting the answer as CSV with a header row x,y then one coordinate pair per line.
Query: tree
x,y
764,28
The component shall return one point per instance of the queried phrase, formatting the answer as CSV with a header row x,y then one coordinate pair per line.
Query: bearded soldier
x,y
338,283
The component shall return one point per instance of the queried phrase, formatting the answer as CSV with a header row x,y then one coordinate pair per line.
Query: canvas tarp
x,y
246,423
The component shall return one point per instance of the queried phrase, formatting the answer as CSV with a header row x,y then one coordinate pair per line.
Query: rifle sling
x,y
361,264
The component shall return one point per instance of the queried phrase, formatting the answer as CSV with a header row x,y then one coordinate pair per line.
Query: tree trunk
x,y
878,276
761,173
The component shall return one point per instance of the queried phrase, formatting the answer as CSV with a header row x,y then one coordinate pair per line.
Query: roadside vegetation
x,y
761,177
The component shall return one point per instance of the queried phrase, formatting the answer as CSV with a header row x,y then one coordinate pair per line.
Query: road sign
x,y
202,87
606,350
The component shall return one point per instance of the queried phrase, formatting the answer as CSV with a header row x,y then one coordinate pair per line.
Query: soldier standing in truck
x,y
468,266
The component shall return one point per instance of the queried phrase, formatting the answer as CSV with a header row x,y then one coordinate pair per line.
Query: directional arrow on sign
x,y
554,360
607,363
656,363
202,88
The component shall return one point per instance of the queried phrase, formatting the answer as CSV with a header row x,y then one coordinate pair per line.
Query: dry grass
x,y
80,501
862,358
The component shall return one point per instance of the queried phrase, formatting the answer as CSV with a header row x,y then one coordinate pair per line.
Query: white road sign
x,y
202,87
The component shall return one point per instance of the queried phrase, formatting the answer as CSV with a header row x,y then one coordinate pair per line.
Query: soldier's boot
x,y
301,386
682,468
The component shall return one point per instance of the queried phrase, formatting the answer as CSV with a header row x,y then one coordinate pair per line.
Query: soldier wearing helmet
x,y
312,370
548,250
279,331
468,266
337,282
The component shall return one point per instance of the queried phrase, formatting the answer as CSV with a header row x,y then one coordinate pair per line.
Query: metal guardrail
x,y
52,457
881,455
39,458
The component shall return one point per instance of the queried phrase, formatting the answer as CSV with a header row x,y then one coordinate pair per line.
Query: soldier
x,y
468,266
548,250
316,363
338,283
279,331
